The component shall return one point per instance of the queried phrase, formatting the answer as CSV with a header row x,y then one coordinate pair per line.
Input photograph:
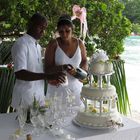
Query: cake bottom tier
x,y
97,121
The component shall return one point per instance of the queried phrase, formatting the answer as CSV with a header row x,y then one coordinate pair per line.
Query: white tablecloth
x,y
130,131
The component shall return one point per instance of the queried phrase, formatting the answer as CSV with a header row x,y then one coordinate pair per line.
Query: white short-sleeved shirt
x,y
26,55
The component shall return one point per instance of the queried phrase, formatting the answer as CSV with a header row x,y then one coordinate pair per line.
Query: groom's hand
x,y
57,78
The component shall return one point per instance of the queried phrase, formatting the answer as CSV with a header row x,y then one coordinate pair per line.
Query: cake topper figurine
x,y
81,14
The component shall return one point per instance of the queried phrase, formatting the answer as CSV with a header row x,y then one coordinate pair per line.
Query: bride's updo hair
x,y
65,20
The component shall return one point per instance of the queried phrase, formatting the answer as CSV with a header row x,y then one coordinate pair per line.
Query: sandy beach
x,y
132,84
132,69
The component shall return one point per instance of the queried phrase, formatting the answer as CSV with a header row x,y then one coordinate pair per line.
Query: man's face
x,y
39,29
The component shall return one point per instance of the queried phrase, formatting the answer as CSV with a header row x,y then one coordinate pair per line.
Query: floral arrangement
x,y
9,66
99,56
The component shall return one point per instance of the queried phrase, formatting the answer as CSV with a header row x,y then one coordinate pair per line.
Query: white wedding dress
x,y
74,86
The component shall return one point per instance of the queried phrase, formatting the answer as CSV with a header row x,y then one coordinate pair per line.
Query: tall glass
x,y
22,116
34,120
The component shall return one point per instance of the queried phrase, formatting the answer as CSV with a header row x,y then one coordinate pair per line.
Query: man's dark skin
x,y
36,29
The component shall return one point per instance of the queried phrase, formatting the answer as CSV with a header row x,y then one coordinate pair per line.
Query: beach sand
x,y
133,88
135,115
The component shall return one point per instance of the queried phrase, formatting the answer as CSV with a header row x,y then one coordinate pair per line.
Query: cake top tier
x,y
99,55
100,63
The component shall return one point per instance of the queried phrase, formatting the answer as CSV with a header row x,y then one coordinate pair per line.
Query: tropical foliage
x,y
132,12
5,52
119,81
7,80
107,27
136,28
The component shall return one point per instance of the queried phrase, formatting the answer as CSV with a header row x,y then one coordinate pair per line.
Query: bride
x,y
65,49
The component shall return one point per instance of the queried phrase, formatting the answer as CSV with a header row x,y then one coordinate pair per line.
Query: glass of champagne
x,y
34,120
22,116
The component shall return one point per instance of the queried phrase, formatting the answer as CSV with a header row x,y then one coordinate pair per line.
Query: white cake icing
x,y
100,63
91,92
100,108
97,67
101,67
97,121
108,68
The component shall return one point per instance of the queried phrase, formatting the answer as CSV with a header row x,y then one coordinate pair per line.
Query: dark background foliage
x,y
107,25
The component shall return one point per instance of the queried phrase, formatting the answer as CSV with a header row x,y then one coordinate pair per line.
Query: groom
x,y
28,67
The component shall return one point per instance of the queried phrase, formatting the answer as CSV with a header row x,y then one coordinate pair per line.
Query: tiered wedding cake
x,y
100,110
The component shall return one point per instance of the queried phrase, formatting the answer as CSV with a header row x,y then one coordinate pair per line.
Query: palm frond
x,y
118,79
7,80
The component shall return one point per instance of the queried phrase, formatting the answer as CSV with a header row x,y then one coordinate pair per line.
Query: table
x,y
130,131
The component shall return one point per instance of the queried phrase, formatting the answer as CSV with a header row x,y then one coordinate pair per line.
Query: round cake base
x,y
91,127
98,122
110,128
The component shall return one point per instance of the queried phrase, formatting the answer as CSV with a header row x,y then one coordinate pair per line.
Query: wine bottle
x,y
80,74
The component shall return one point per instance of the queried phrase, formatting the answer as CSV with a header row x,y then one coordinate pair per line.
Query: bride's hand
x,y
70,69
54,82
67,67
57,79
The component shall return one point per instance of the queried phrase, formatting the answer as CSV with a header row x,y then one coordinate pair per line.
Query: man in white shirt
x,y
28,67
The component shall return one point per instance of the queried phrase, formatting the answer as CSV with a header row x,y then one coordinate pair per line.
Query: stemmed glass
x,y
70,101
36,120
22,116
55,115
58,107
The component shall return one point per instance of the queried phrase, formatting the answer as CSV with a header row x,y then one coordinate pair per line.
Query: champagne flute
x,y
22,116
35,120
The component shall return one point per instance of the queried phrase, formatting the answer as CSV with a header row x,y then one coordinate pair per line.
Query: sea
x,y
131,56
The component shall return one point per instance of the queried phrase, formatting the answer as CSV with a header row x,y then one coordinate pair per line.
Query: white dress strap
x,y
57,43
78,42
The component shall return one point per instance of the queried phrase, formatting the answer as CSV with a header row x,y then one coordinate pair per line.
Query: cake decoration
x,y
100,63
100,99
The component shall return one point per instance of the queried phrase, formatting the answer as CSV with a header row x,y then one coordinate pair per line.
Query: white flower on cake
x,y
99,55
100,63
